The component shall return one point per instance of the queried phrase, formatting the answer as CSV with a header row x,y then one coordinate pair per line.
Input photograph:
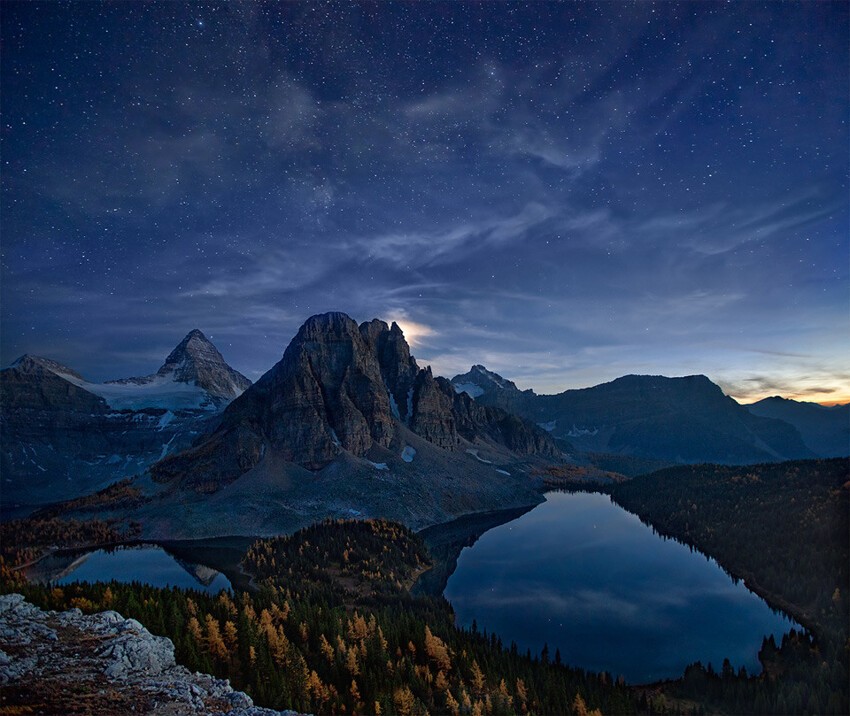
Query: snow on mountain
x,y
479,380
471,388
194,375
158,392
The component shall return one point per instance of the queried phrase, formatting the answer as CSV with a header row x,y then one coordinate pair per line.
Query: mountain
x,y
685,420
195,363
345,424
825,430
63,436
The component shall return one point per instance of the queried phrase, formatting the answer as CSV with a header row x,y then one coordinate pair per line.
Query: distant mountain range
x,y
825,430
348,424
63,436
680,420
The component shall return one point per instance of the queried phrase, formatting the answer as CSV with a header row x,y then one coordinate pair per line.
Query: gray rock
x,y
116,657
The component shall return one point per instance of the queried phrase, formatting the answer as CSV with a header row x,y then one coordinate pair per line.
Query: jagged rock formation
x,y
62,436
685,419
340,388
68,662
196,361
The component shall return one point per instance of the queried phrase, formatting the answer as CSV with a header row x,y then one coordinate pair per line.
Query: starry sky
x,y
563,192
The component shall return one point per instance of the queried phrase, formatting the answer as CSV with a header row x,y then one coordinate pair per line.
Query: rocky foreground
x,y
72,663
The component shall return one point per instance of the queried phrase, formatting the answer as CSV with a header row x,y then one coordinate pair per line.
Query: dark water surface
x,y
148,563
583,575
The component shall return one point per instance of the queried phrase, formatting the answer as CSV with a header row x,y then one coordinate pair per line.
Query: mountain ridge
x,y
684,419
63,436
340,387
824,429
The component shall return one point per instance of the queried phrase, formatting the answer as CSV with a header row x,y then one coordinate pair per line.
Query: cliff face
x,y
340,388
68,662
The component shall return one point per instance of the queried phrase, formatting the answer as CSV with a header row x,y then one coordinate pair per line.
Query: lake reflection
x,y
149,564
585,576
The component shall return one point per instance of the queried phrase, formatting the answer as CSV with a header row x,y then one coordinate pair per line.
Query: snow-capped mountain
x,y
63,436
194,376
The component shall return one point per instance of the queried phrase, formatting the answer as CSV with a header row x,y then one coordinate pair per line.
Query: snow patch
x,y
393,405
160,392
471,389
166,418
408,453
475,454
165,447
504,472
581,432
548,427
494,377
378,465
335,438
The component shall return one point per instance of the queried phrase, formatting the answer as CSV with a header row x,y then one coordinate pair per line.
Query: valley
x,y
349,486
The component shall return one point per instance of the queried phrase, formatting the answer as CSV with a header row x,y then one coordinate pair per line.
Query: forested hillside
x,y
783,528
332,629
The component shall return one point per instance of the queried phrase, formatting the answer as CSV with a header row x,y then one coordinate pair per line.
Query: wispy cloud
x,y
451,244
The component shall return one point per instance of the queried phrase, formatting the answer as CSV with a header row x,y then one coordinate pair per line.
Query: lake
x,y
583,575
146,563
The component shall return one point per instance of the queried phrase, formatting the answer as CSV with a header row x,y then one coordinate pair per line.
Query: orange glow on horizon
x,y
825,399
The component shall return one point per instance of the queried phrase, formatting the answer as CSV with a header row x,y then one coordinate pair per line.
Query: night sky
x,y
563,192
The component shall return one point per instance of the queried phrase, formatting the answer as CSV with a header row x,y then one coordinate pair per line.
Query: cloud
x,y
441,246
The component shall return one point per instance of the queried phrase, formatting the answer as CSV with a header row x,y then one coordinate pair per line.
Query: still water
x,y
583,575
148,564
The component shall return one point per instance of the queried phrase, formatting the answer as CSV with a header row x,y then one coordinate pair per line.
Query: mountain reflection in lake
x,y
148,563
586,577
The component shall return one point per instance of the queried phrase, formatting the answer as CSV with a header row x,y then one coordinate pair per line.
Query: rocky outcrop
x,y
68,662
339,388
398,367
433,417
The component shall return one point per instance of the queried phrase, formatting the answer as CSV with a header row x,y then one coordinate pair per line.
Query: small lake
x,y
583,575
147,563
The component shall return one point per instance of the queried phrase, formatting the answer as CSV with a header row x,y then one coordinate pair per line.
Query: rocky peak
x,y
398,367
33,383
28,363
479,380
325,395
339,387
196,361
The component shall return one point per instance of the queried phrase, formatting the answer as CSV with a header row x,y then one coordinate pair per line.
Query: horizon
x,y
565,193
405,328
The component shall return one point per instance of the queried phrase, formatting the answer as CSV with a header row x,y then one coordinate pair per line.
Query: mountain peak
x,y
197,361
194,346
28,363
480,380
